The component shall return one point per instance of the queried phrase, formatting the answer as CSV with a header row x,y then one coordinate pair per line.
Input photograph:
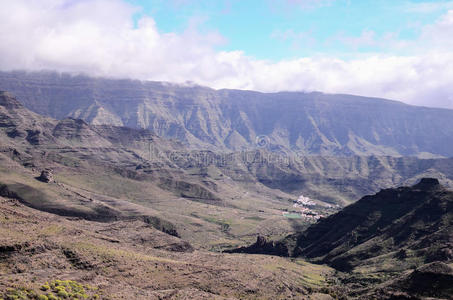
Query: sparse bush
x,y
79,296
59,288
45,287
63,294
56,290
51,297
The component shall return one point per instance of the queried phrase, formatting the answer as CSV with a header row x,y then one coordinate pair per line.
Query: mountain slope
x,y
215,200
396,244
394,229
410,222
108,173
127,259
306,123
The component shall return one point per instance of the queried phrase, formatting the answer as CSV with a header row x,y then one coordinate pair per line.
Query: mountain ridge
x,y
234,120
333,179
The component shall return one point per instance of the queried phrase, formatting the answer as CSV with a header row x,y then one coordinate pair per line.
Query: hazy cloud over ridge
x,y
100,37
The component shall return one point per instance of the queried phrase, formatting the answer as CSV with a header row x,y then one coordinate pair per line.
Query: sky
x,y
395,49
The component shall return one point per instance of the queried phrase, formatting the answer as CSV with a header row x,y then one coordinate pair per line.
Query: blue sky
x,y
275,30
398,50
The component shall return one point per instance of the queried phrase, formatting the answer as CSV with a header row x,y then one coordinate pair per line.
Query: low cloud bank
x,y
100,38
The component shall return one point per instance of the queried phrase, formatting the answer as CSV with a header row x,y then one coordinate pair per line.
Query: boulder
x,y
46,176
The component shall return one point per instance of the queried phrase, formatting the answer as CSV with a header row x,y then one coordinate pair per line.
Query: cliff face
x,y
306,123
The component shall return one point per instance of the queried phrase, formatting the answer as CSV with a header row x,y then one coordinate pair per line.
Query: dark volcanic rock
x,y
5,191
433,280
46,176
263,246
427,183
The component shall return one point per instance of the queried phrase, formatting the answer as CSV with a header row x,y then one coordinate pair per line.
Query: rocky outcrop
x,y
427,184
8,101
7,192
46,176
433,280
20,123
78,133
263,246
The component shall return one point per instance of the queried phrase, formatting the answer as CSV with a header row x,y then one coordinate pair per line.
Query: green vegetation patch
x,y
292,216
55,290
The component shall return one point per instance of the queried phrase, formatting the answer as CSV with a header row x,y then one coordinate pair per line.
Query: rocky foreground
x,y
132,260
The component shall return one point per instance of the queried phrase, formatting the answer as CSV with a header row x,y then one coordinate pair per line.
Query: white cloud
x,y
99,37
427,7
439,35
